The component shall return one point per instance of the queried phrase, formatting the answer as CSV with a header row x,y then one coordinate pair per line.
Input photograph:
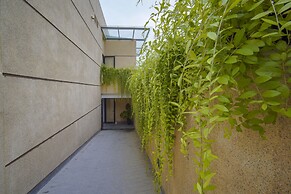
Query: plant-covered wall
x,y
116,76
217,61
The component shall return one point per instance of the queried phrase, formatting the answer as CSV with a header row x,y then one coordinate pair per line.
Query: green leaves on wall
x,y
218,61
116,76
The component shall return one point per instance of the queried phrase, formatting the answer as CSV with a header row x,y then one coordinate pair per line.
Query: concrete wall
x,y
51,52
246,164
124,52
1,118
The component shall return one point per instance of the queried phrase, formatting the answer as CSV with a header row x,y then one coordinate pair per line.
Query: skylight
x,y
127,33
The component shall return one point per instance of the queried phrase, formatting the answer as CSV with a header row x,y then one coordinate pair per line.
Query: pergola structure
x,y
139,34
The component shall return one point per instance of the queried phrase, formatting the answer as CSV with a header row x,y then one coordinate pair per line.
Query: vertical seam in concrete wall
x,y
91,5
60,31
87,24
66,127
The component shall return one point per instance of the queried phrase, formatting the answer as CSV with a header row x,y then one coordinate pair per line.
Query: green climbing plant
x,y
116,76
216,61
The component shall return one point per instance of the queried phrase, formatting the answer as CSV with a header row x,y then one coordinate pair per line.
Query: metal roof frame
x,y
144,34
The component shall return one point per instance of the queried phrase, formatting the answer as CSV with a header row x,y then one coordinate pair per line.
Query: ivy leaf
x,y
198,186
273,103
262,79
208,179
175,104
284,8
223,79
212,35
192,55
235,70
270,118
270,34
254,6
287,24
260,15
271,93
288,112
269,21
210,188
252,47
244,51
231,59
275,56
238,37
180,80
223,99
216,89
232,5
258,34
281,45
248,94
264,106
256,42
285,91
282,2
221,108
188,46
177,67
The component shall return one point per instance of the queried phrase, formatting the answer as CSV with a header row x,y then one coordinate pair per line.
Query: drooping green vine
x,y
217,61
116,76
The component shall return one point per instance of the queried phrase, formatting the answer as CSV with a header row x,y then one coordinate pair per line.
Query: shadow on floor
x,y
109,126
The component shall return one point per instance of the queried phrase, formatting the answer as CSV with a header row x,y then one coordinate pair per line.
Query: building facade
x,y
50,92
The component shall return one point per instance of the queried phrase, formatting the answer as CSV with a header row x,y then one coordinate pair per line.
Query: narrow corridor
x,y
110,163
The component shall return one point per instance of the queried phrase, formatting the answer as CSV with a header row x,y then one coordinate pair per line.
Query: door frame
x,y
105,110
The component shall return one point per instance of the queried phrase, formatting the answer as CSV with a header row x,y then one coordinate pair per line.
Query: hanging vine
x,y
217,61
116,76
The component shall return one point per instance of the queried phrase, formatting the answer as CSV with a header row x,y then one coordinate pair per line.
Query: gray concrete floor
x,y
110,163
119,126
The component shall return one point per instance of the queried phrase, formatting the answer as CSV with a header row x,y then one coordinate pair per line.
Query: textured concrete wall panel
x,y
60,13
120,48
125,62
2,166
101,21
26,172
33,47
249,164
87,11
98,11
36,109
246,164
1,120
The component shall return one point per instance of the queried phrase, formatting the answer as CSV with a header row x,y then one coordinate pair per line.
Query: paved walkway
x,y
111,163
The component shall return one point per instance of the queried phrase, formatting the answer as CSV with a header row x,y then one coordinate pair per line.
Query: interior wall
x,y
120,107
51,52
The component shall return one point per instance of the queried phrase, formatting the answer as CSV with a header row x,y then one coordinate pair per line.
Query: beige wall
x,y
51,52
120,48
1,120
246,164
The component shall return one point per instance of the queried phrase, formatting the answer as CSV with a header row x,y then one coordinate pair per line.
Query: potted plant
x,y
127,114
